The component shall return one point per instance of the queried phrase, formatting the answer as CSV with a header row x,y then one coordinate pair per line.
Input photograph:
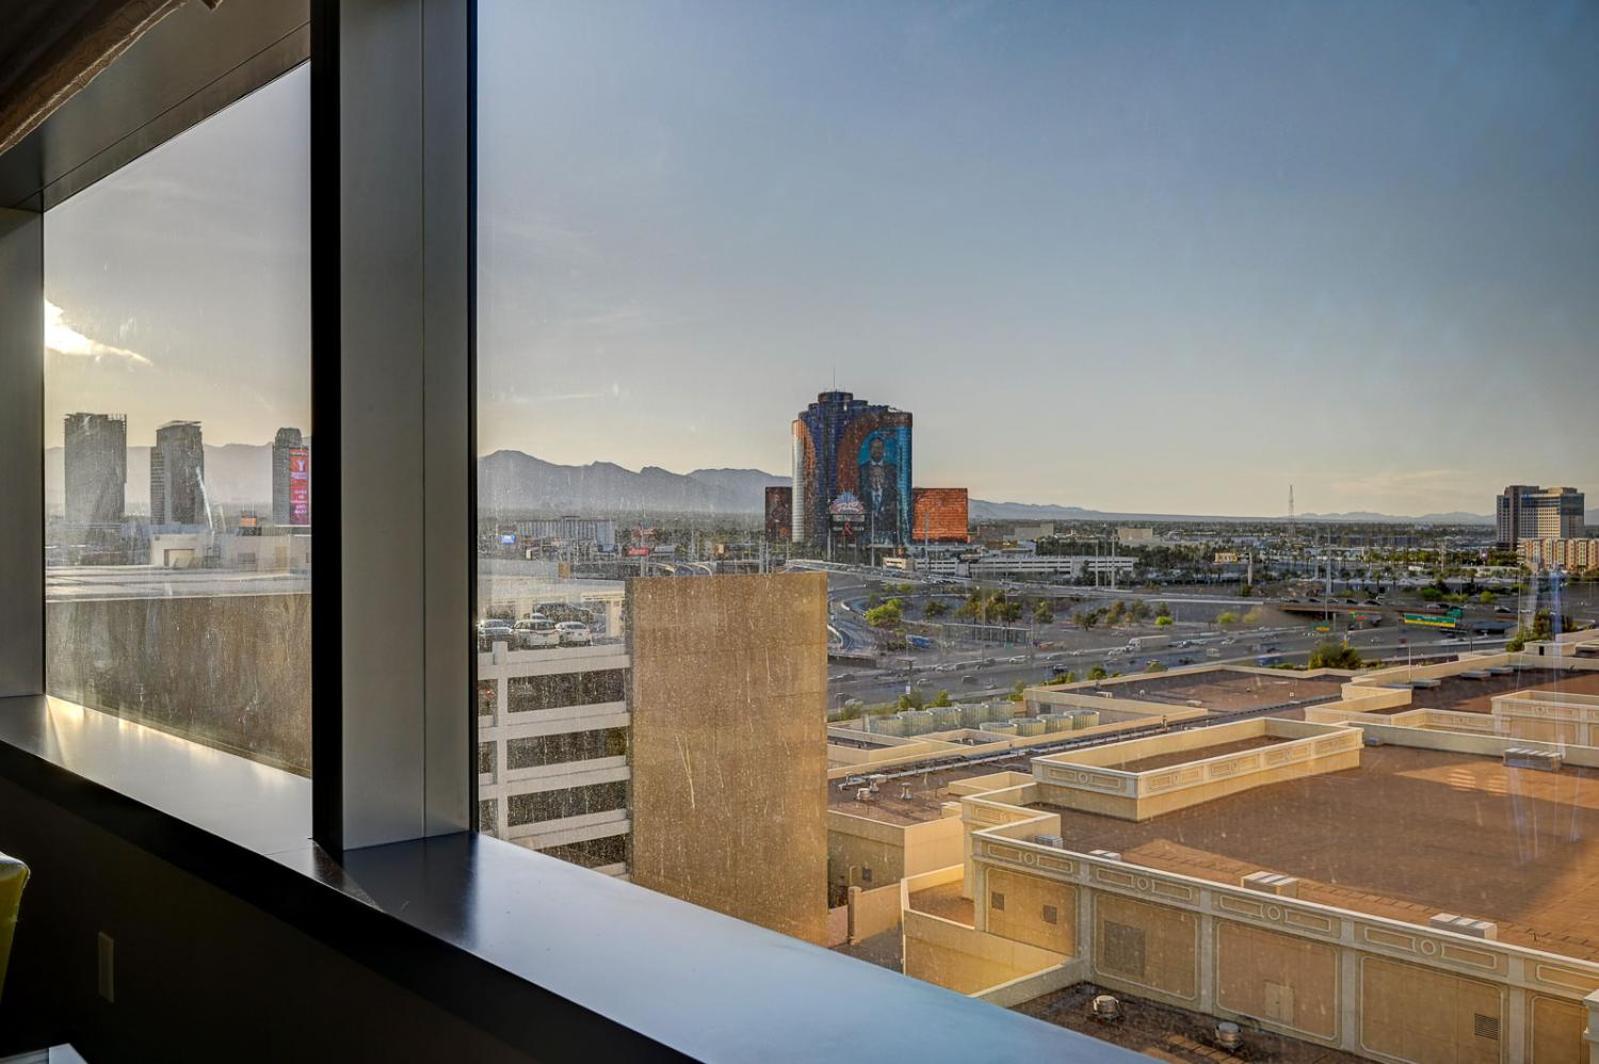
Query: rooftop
x,y
928,789
1228,690
1468,695
1410,833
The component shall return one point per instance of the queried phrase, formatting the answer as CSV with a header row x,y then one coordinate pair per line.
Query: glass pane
x,y
178,446
1050,459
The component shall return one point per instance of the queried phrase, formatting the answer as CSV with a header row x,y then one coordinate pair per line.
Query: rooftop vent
x,y
1106,1008
864,794
1271,883
1474,674
875,781
1538,760
1050,840
1105,855
1463,925
1228,1036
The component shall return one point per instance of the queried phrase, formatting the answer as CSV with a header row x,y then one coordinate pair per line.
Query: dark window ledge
x,y
549,957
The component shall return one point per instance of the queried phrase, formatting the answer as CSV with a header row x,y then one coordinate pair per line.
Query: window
x,y
566,802
526,694
178,435
488,695
540,750
485,758
881,406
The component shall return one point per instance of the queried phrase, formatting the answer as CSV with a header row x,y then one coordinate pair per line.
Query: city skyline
x,y
1074,246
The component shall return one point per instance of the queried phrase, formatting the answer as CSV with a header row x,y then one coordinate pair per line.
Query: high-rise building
x,y
96,468
177,475
852,473
291,478
1525,511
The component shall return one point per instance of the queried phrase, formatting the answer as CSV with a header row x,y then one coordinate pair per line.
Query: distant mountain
x,y
511,482
1454,517
744,483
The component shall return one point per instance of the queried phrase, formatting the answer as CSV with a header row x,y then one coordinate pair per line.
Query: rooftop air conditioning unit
x,y
1538,760
1271,883
1106,1008
1464,925
1050,840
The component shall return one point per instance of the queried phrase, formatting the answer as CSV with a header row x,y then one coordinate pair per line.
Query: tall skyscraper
x,y
1525,511
852,473
177,475
96,468
291,478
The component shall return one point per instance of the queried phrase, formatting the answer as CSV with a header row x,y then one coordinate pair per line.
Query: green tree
x,y
1163,622
1138,611
1485,597
1227,617
888,615
1043,612
1252,617
1155,666
912,699
1016,691
1162,610
941,699
1335,655
1097,672
1114,615
934,608
1431,594
1066,677
1086,619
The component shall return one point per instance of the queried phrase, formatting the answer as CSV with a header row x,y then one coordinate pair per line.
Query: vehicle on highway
x,y
970,678
1017,659
948,666
1135,643
1212,652
574,633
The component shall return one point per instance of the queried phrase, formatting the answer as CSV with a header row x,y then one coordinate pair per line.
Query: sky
x,y
1132,256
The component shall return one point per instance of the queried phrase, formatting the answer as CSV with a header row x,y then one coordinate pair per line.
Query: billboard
x,y
874,465
779,513
939,515
299,485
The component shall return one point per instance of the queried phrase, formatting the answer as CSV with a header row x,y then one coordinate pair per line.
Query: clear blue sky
x,y
1133,256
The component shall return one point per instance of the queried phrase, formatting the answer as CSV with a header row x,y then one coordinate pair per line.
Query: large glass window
x,y
1114,472
178,436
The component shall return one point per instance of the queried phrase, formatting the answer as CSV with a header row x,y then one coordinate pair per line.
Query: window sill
x,y
551,958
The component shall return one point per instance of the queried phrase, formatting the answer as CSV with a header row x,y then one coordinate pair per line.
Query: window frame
x,y
395,874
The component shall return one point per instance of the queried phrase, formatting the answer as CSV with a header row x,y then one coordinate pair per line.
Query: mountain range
x,y
512,482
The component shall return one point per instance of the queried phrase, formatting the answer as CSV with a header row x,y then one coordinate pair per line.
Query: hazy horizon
x,y
1136,258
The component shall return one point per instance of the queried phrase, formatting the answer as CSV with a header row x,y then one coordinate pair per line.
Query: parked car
x,y
574,633
537,631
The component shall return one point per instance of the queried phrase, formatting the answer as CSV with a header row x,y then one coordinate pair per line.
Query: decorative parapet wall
x,y
1080,779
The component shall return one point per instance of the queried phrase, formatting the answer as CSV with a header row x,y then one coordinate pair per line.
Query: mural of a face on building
x,y
879,485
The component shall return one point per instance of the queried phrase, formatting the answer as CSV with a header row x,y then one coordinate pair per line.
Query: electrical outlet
x,y
108,967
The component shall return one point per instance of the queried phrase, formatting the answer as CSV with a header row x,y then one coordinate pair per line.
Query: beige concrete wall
x,y
956,956
1410,1012
855,844
229,671
1031,909
1284,980
1554,1030
871,912
1148,947
729,758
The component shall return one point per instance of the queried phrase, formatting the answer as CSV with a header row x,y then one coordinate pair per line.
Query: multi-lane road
x,y
968,670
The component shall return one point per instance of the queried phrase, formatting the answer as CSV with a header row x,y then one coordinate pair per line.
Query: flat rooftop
x,y
1170,1034
928,790
1468,695
88,583
1182,757
1226,690
1408,834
